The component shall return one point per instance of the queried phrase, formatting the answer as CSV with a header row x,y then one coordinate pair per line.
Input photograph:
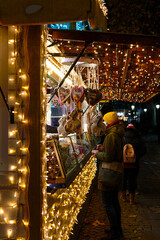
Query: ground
x,y
139,221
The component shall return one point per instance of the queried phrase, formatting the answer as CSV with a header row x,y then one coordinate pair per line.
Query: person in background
x,y
112,150
131,170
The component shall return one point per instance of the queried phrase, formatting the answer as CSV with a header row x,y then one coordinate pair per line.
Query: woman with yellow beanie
x,y
110,153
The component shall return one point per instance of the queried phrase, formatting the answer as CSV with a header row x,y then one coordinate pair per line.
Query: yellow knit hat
x,y
110,117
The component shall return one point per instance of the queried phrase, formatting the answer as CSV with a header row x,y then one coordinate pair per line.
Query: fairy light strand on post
x,y
18,98
67,203
43,74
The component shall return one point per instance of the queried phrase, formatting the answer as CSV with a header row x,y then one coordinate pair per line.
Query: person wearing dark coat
x,y
131,170
111,153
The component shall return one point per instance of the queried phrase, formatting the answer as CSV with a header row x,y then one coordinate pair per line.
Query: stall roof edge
x,y
109,37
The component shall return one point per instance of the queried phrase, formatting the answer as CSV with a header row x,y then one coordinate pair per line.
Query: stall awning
x,y
37,12
129,65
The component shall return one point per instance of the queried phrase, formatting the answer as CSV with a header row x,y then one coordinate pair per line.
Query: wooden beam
x,y
108,37
128,58
133,90
75,55
4,116
153,95
35,108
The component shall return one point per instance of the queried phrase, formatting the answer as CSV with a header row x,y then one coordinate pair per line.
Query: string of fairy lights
x,y
43,77
58,219
14,214
141,79
67,203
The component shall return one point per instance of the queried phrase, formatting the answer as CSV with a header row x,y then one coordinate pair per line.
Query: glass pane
x,y
97,139
54,122
67,154
53,170
85,142
78,146
93,142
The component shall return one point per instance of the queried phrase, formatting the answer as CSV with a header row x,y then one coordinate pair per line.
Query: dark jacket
x,y
132,136
112,147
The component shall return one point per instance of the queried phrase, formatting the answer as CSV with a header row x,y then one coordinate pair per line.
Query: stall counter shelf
x,y
66,156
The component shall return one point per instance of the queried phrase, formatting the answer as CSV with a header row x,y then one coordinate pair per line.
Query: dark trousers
x,y
130,180
111,204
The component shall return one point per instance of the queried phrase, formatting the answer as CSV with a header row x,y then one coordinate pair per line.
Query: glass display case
x,y
66,156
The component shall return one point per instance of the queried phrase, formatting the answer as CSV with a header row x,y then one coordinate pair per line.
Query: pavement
x,y
139,221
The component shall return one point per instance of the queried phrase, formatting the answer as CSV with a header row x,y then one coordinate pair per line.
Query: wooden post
x,y
4,116
35,164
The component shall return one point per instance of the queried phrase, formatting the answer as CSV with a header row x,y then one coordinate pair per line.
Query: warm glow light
x,y
11,79
53,68
11,221
23,93
25,121
23,170
18,90
15,194
11,151
9,233
12,167
17,103
11,179
12,133
25,223
72,199
11,41
24,149
22,186
11,97
1,211
14,205
25,87
21,116
24,77
19,161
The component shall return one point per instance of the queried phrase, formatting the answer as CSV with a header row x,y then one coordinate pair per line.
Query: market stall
x,y
54,171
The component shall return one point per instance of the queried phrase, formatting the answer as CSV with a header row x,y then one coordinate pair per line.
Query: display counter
x,y
66,156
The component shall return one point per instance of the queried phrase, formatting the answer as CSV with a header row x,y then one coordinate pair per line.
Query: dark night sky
x,y
134,16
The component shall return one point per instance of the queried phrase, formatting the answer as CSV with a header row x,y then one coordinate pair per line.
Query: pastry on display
x,y
93,96
98,128
61,129
63,95
77,94
53,170
73,125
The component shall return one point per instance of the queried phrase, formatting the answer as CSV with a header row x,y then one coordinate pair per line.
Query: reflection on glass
x,y
67,154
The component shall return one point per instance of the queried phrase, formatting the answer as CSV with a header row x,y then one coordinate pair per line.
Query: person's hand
x,y
100,147
94,152
74,154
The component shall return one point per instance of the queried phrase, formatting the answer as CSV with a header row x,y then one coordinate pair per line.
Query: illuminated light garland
x,y
43,74
68,202
9,233
17,95
143,65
